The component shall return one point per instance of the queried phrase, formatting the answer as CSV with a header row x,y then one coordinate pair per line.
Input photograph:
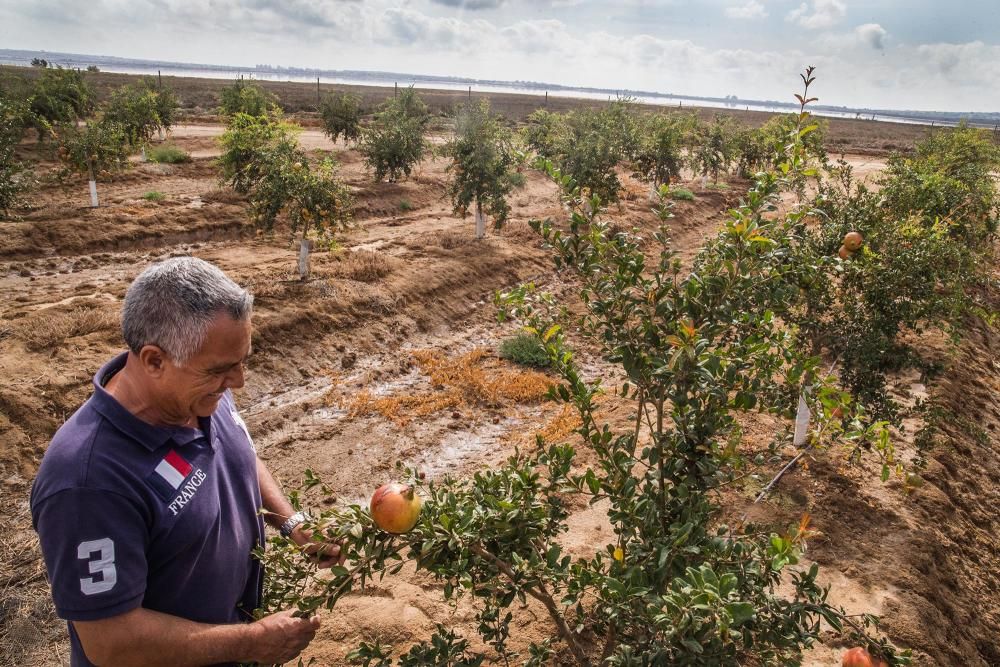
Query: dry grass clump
x,y
223,196
363,265
560,427
474,379
520,232
46,329
452,239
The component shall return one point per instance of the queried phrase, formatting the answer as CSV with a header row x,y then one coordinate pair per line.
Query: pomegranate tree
x,y
673,586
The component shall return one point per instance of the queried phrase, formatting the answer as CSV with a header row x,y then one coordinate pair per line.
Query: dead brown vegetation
x,y
362,265
46,329
473,379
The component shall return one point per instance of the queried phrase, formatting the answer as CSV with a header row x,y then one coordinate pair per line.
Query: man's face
x,y
194,389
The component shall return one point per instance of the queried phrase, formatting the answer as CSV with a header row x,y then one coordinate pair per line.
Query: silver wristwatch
x,y
290,523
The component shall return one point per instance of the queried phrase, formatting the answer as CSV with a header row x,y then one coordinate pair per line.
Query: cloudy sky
x,y
900,54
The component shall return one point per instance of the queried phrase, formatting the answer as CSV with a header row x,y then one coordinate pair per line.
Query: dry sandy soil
x,y
408,281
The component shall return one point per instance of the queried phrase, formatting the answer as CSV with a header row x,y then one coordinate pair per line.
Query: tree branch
x,y
543,596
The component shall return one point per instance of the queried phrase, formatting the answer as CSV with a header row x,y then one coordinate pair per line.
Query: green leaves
x,y
341,114
696,348
394,143
483,162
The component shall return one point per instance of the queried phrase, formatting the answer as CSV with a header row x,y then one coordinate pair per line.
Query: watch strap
x,y
291,522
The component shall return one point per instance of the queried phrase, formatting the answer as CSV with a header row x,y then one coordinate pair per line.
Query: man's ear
x,y
152,359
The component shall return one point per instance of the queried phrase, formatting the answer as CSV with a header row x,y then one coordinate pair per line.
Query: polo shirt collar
x,y
149,436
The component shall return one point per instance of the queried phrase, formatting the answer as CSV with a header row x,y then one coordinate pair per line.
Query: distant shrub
x,y
154,195
59,96
682,194
93,68
246,97
394,143
517,179
342,116
405,205
526,350
542,132
168,154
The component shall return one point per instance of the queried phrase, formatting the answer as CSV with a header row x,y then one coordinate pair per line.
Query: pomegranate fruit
x,y
859,657
853,241
395,507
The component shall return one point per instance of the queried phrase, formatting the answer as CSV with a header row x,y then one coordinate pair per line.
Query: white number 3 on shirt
x,y
103,565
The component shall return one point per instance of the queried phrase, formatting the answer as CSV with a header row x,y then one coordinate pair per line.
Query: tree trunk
x,y
480,222
303,258
93,185
143,151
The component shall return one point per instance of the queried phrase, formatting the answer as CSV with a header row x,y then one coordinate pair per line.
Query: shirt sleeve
x,y
94,544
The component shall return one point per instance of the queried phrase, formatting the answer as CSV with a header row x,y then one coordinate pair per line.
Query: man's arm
x,y
277,509
147,638
276,506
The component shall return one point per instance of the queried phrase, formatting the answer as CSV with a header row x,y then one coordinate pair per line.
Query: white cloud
x,y
872,34
751,9
824,14
471,4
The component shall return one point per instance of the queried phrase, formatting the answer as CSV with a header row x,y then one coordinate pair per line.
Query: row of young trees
x,y
262,159
589,144
60,106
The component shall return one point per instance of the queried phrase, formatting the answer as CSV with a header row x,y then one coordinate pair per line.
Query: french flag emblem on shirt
x,y
169,475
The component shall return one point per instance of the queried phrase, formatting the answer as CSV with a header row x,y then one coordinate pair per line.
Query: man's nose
x,y
235,379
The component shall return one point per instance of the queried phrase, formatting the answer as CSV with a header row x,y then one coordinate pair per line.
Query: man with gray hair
x,y
147,500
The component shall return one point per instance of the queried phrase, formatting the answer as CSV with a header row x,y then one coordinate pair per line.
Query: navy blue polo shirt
x,y
129,514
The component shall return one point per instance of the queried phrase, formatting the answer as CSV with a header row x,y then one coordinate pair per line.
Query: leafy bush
x,y
949,178
682,194
154,195
313,198
753,151
95,150
59,96
168,154
483,160
712,151
342,116
248,143
541,133
394,143
405,205
927,241
525,349
15,178
262,159
589,153
248,98
137,109
658,157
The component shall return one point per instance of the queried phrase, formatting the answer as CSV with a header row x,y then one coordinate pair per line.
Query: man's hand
x,y
279,638
324,554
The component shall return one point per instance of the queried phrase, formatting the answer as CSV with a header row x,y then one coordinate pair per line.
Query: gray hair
x,y
172,303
